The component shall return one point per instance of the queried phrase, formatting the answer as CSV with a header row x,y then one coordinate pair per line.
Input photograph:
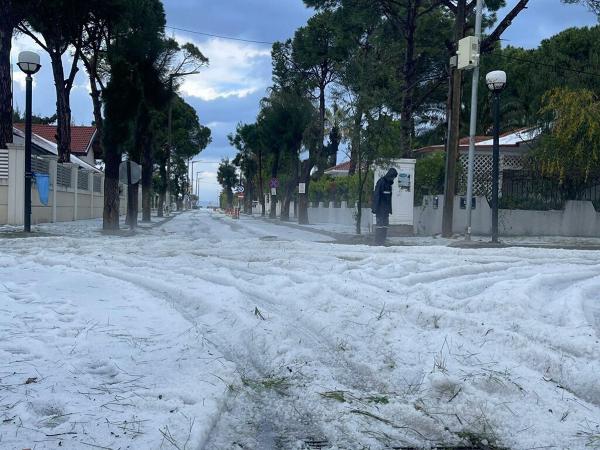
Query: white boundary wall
x,y
342,215
578,219
64,203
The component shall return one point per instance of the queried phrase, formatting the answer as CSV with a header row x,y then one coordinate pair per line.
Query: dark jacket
x,y
382,195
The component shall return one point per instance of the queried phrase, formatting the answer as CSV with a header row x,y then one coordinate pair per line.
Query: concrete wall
x,y
343,215
428,218
579,218
3,200
64,204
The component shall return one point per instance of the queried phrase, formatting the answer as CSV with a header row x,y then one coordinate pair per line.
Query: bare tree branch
x,y
489,41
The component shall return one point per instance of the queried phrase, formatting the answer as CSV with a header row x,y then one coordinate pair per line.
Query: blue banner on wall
x,y
42,181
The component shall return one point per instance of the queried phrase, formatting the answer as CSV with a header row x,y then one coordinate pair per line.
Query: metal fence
x,y
83,180
97,183
40,165
532,191
63,176
3,163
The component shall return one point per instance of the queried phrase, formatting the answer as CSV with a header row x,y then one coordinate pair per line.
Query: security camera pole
x,y
467,57
473,126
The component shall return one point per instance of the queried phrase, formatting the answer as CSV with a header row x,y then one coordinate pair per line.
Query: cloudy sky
x,y
228,92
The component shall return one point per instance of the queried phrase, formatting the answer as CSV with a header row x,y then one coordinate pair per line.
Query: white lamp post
x,y
496,82
29,63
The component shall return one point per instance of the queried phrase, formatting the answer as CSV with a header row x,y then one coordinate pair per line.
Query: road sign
x,y
238,189
240,195
136,172
274,183
302,188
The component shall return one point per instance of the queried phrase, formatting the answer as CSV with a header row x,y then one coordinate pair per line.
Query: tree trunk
x,y
111,191
321,158
163,189
137,155
273,211
360,200
145,139
161,205
147,172
355,143
274,173
248,195
229,198
63,109
453,129
132,206
98,119
285,209
6,111
261,185
286,200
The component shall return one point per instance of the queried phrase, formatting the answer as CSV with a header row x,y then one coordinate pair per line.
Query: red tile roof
x,y
81,136
345,166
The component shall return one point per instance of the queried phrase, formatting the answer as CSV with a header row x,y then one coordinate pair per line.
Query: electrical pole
x,y
473,125
453,127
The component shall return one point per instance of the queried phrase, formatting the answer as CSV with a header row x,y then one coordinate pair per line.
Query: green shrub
x,y
429,176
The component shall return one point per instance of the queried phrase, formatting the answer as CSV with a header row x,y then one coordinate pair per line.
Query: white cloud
x,y
236,70
18,45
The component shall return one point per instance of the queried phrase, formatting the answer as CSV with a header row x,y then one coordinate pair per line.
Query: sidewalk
x,y
477,242
91,226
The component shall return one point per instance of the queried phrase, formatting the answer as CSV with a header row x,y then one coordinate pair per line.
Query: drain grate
x,y
316,444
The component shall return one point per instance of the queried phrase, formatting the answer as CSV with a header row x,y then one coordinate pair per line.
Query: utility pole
x,y
453,127
473,125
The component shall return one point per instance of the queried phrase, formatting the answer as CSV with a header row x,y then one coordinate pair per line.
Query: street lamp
x,y
29,63
496,82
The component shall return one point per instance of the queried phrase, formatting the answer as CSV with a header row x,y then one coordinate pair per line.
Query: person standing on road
x,y
382,205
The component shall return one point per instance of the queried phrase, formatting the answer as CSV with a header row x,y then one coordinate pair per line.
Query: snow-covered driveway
x,y
209,333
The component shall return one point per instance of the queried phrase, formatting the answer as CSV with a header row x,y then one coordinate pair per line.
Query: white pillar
x,y
16,184
54,180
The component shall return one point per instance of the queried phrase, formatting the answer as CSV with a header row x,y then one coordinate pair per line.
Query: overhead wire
x,y
219,36
523,60
551,66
